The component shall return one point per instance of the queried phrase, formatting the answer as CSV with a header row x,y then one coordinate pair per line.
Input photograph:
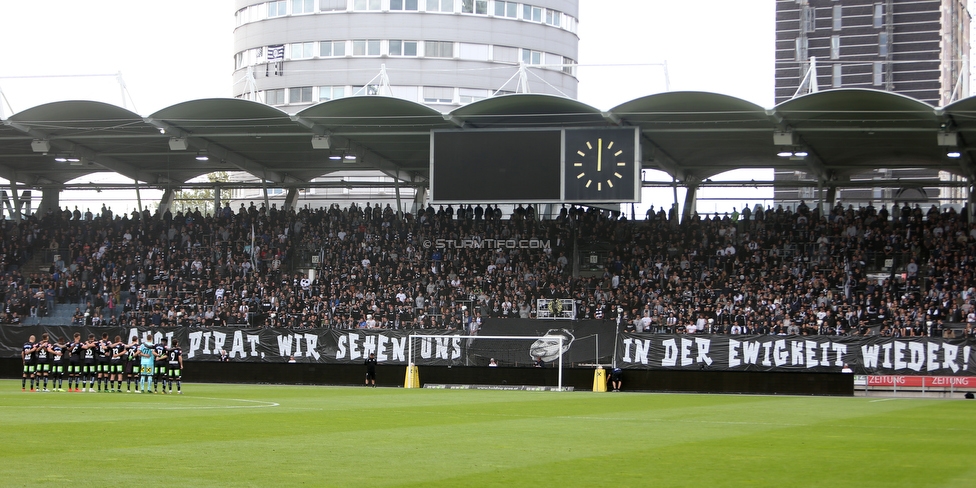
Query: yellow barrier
x,y
412,378
600,380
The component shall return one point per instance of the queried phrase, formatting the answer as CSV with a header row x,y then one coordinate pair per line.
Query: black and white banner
x,y
266,344
583,343
863,355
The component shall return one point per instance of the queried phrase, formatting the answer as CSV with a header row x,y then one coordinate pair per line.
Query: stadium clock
x,y
600,165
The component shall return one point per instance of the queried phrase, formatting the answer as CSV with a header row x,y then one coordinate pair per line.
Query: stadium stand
x,y
895,272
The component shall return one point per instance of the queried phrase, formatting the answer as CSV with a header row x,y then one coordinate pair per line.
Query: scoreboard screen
x,y
496,166
572,165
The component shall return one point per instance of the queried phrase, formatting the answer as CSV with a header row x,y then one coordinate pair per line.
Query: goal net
x,y
475,350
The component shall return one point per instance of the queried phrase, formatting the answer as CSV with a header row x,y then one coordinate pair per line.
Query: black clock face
x,y
600,165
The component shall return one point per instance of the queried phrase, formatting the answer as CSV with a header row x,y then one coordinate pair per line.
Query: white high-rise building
x,y
442,53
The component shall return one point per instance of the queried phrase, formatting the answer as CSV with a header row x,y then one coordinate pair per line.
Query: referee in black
x,y
371,370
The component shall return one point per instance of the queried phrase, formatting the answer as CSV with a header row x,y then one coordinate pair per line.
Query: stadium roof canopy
x,y
690,135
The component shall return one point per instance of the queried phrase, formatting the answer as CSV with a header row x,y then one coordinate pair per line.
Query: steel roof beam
x,y
93,157
213,149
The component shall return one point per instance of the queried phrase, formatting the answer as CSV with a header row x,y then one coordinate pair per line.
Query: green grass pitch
x,y
260,435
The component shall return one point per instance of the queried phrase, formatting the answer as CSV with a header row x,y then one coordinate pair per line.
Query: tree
x,y
202,198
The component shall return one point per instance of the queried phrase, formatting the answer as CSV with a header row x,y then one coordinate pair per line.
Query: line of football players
x,y
104,362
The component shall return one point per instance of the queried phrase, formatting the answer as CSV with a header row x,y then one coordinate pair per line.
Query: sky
x,y
179,50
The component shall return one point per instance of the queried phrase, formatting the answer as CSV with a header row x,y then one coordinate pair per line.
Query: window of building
x,y
302,6
882,44
506,9
553,17
837,17
403,48
504,54
531,57
878,15
552,61
438,94
807,19
477,52
440,6
277,8
801,49
567,68
366,90
274,97
331,92
403,5
479,7
569,23
332,49
411,93
332,5
366,5
439,49
531,13
254,56
302,94
878,73
834,47
468,95
302,50
366,47
836,78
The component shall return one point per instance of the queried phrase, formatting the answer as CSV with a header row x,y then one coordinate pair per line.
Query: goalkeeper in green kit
x,y
146,362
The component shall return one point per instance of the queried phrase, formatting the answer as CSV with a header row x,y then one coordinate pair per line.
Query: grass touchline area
x,y
261,435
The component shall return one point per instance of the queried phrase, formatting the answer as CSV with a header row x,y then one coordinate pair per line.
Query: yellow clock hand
x,y
599,154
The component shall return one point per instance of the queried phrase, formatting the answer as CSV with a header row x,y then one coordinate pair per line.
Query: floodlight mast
x,y
410,363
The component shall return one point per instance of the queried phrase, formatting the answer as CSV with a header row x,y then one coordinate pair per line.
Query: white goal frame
x,y
410,363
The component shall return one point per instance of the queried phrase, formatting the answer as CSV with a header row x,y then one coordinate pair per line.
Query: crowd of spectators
x,y
761,271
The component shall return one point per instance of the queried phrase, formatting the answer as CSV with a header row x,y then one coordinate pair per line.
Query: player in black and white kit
x,y
58,359
74,362
89,367
116,371
131,363
104,355
43,353
159,375
27,355
174,367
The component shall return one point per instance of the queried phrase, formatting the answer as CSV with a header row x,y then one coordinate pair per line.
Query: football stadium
x,y
386,284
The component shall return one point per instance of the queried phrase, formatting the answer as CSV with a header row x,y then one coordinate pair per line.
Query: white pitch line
x,y
261,404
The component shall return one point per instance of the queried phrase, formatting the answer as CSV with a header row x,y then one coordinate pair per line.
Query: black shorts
x,y
74,367
89,368
371,375
103,366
